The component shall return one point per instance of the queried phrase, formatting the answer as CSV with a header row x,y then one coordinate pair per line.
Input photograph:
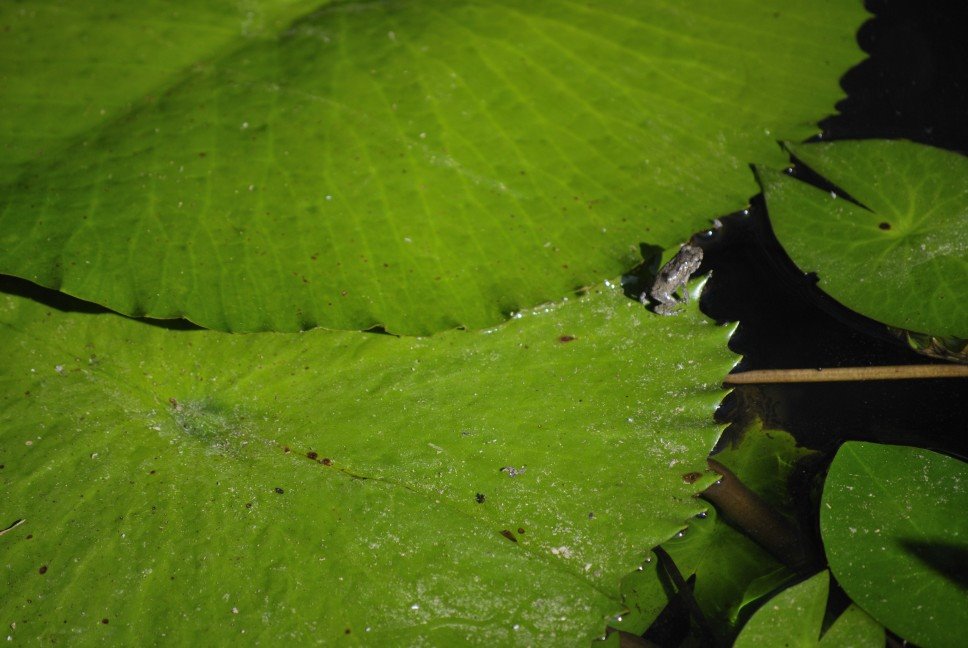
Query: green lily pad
x,y
794,618
731,570
902,257
419,166
854,628
791,618
483,487
895,533
72,67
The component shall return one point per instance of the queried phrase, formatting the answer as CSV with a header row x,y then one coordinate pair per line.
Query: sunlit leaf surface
x,y
415,165
486,486
902,257
70,68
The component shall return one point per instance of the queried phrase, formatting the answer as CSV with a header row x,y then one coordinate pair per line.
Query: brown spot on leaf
x,y
690,478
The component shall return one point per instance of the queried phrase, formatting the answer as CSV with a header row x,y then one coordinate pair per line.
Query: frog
x,y
672,277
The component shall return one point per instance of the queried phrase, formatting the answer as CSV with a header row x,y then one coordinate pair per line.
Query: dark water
x,y
785,322
913,86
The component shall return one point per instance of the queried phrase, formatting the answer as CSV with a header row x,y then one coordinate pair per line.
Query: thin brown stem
x,y
757,519
843,374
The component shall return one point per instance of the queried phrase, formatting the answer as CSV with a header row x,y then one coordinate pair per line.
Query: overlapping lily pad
x,y
419,166
731,571
895,532
71,68
901,256
486,487
794,618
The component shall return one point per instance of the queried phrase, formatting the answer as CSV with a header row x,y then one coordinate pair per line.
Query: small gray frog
x,y
672,277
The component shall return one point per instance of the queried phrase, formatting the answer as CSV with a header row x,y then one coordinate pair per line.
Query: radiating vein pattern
x,y
415,166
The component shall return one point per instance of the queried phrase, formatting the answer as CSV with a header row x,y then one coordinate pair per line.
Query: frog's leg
x,y
669,308
684,292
